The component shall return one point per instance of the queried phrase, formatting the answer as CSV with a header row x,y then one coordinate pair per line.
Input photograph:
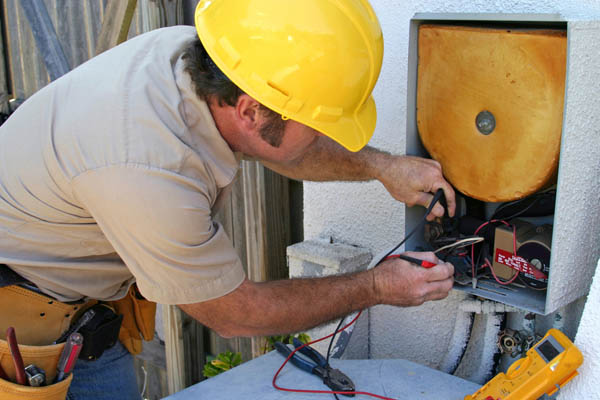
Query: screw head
x,y
485,122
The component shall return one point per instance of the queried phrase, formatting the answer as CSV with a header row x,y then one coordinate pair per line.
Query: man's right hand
x,y
294,305
401,283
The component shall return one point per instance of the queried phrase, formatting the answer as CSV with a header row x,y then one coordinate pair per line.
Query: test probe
x,y
344,324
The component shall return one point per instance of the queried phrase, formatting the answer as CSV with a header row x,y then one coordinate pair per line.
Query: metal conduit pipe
x,y
522,324
559,322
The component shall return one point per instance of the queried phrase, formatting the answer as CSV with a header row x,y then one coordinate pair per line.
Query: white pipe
x,y
485,306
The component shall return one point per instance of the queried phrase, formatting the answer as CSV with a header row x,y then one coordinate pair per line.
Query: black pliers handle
x,y
332,377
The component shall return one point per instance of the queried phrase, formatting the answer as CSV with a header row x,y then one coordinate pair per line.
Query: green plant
x,y
270,344
221,363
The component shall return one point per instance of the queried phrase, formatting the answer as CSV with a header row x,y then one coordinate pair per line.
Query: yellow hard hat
x,y
313,61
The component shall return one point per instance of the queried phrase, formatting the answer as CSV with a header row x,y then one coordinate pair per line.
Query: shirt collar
x,y
205,136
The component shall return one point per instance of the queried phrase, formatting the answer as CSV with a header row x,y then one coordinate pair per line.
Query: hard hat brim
x,y
352,132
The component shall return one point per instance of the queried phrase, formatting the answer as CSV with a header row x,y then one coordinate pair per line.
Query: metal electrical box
x,y
575,244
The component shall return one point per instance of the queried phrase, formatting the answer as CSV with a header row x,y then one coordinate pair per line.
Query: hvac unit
x,y
502,102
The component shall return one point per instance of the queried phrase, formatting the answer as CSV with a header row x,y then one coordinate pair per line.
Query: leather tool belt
x,y
38,319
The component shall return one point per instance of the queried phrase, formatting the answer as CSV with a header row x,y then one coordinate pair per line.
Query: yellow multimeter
x,y
547,366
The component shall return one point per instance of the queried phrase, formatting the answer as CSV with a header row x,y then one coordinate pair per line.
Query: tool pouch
x,y
138,319
46,358
100,333
38,319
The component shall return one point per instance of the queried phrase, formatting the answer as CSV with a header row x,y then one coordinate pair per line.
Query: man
x,y
111,174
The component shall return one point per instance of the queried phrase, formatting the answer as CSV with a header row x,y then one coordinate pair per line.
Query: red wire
x,y
487,263
317,341
321,391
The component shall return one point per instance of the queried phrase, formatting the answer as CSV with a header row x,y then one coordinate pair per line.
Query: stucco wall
x,y
369,216
588,381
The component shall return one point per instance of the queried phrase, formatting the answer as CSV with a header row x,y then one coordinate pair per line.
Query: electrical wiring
x,y
337,329
508,282
514,229
436,198
461,243
276,386
434,201
511,203
535,199
332,335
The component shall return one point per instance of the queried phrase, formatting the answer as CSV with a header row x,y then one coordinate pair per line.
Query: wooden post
x,y
267,218
157,14
268,231
116,23
257,219
46,38
4,109
231,216
173,322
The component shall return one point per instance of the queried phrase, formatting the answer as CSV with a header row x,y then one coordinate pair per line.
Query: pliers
x,y
336,380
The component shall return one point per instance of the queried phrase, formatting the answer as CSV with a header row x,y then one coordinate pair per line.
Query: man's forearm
x,y
411,180
326,160
278,307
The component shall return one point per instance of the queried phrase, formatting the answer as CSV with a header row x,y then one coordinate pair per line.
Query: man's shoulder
x,y
168,36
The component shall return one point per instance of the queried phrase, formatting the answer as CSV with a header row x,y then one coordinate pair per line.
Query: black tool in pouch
x,y
100,333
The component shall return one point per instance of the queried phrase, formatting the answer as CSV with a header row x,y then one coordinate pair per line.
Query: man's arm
x,y
411,180
278,307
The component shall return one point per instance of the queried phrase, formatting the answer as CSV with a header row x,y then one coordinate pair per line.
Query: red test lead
x,y
416,261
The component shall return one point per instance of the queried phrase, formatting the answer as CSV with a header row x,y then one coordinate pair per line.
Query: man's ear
x,y
248,113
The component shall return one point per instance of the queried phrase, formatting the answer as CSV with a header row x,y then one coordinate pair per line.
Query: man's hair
x,y
210,82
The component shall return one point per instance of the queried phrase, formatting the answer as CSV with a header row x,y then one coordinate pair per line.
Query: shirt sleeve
x,y
160,224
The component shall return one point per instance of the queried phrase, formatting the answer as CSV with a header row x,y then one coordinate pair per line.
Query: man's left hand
x,y
414,180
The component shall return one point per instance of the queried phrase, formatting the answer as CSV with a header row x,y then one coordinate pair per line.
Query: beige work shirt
x,y
108,175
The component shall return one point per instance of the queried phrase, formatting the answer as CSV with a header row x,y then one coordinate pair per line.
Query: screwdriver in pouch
x,y
85,318
69,356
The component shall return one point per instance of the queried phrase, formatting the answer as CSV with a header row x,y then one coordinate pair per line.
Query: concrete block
x,y
313,258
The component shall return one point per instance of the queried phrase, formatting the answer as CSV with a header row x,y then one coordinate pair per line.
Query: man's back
x,y
71,153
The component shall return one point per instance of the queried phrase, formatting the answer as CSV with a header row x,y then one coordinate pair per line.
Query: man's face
x,y
296,139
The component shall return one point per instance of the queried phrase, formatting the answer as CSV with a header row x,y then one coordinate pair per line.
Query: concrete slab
x,y
398,379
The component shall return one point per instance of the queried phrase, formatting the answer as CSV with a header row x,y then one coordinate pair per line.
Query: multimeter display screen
x,y
548,350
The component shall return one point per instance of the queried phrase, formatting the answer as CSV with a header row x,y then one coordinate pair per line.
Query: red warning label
x,y
518,263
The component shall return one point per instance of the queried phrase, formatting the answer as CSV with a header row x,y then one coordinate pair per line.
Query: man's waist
x,y
9,277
